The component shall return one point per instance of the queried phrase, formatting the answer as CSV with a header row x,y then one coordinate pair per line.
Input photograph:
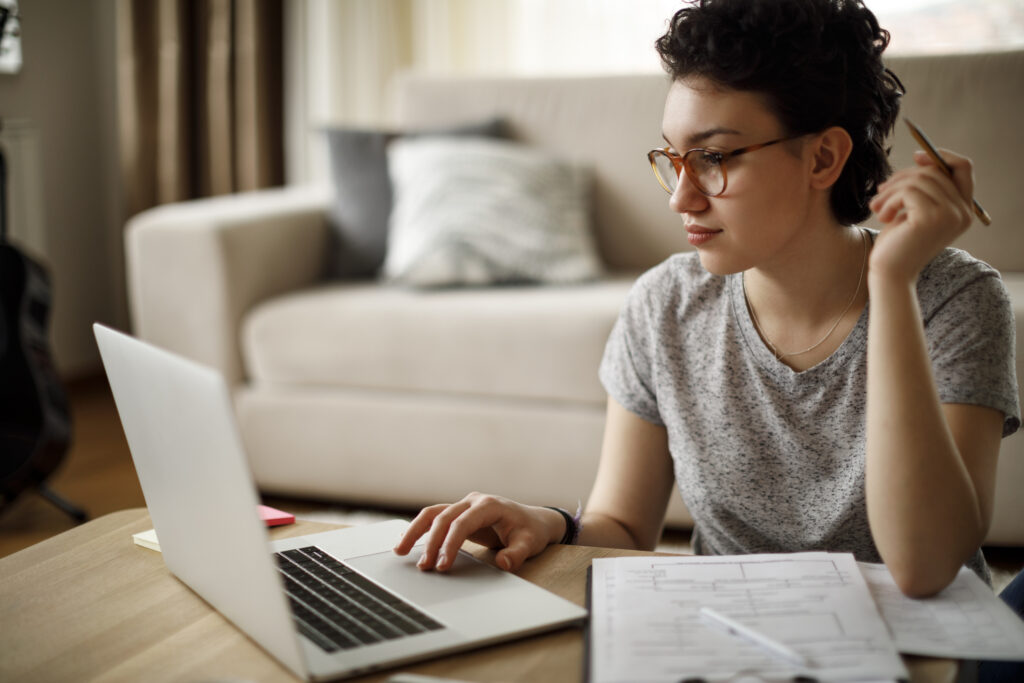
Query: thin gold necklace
x,y
775,349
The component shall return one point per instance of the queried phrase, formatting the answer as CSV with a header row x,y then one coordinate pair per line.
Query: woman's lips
x,y
697,235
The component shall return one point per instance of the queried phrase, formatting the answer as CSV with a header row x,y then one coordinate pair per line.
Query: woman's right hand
x,y
521,531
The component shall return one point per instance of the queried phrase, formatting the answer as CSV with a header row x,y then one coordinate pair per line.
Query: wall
x,y
64,97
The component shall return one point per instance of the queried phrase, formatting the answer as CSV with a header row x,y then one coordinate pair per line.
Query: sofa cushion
x,y
362,188
472,211
511,342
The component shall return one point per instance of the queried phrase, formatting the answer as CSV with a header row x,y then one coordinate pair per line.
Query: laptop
x,y
328,605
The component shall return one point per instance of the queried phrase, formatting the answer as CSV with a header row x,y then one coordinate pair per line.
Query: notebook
x,y
327,605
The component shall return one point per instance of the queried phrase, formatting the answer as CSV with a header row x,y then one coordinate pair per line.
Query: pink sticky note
x,y
274,517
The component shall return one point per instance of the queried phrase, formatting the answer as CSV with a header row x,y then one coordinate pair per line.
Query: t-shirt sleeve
x,y
628,363
971,342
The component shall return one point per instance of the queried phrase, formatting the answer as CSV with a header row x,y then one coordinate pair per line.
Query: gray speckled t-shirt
x,y
769,459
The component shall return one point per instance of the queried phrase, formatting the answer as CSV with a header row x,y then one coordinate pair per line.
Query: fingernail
x,y
442,560
505,563
423,561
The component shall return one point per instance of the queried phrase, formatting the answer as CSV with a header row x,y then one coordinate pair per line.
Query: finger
x,y
891,187
912,203
512,557
928,192
910,176
484,513
961,167
933,185
940,200
417,527
439,531
887,210
889,202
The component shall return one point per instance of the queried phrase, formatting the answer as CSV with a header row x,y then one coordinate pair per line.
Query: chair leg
x,y
76,513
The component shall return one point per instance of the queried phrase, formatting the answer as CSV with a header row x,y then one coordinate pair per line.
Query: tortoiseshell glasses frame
x,y
704,167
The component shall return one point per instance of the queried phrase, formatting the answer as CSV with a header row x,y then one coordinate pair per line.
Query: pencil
x,y
929,148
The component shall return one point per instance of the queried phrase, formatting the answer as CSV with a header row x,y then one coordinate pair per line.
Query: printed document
x,y
646,625
964,621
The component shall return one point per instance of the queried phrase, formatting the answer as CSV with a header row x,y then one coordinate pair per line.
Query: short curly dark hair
x,y
817,62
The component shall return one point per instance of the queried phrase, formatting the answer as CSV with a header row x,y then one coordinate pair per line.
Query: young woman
x,y
807,383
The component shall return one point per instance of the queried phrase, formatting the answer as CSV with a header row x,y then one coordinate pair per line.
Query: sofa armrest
x,y
195,267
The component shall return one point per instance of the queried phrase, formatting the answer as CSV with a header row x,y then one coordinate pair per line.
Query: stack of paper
x,y
646,623
270,516
965,621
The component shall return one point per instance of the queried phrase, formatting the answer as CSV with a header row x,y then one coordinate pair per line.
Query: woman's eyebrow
x,y
699,137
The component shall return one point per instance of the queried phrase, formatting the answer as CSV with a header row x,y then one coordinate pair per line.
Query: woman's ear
x,y
831,150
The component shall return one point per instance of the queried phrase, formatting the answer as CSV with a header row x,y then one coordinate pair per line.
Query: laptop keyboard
x,y
339,609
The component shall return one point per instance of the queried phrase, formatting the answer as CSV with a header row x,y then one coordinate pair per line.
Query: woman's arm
x,y
626,507
930,470
930,467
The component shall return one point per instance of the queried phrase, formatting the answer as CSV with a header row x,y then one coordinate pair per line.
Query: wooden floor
x,y
98,476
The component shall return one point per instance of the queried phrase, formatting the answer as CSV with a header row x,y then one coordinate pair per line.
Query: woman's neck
x,y
813,290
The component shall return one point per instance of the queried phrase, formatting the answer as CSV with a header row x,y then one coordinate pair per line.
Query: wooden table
x,y
90,605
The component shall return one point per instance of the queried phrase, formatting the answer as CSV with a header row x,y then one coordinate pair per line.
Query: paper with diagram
x,y
646,626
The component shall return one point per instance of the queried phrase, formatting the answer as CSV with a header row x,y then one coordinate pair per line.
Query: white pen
x,y
738,629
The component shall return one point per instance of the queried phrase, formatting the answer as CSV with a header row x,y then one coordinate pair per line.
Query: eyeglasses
x,y
704,167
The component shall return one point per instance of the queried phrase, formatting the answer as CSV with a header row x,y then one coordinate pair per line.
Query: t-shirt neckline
x,y
852,344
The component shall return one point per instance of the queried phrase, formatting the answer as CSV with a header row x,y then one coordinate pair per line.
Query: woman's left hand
x,y
922,211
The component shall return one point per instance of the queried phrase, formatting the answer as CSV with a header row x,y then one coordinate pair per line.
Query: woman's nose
x,y
686,197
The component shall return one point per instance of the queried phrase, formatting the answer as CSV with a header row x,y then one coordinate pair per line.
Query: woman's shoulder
x,y
953,269
676,292
953,273
677,276
952,262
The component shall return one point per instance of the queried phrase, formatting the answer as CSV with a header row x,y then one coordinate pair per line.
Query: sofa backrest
x,y
973,104
970,103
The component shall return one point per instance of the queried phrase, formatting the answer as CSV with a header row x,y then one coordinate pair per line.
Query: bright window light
x,y
938,26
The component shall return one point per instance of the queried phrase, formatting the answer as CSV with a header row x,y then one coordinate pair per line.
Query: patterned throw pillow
x,y
474,211
362,191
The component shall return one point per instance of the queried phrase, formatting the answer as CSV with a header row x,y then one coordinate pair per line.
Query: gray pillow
x,y
472,211
362,192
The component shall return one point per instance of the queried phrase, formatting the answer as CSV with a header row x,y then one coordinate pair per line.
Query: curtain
x,y
344,54
199,98
353,48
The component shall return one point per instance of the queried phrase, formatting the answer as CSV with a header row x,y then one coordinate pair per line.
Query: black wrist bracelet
x,y
570,525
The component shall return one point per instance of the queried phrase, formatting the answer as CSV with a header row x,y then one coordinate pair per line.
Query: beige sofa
x,y
373,394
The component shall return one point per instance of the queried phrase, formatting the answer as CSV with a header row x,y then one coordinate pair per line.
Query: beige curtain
x,y
344,54
199,98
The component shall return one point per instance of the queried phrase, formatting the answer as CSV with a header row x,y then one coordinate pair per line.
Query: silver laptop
x,y
328,605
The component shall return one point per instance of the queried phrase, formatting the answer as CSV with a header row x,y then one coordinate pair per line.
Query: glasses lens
x,y
706,171
666,171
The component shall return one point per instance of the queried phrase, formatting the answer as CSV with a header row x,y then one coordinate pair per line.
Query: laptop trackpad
x,y
467,578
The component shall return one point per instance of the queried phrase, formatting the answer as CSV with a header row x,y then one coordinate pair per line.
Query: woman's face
x,y
767,199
